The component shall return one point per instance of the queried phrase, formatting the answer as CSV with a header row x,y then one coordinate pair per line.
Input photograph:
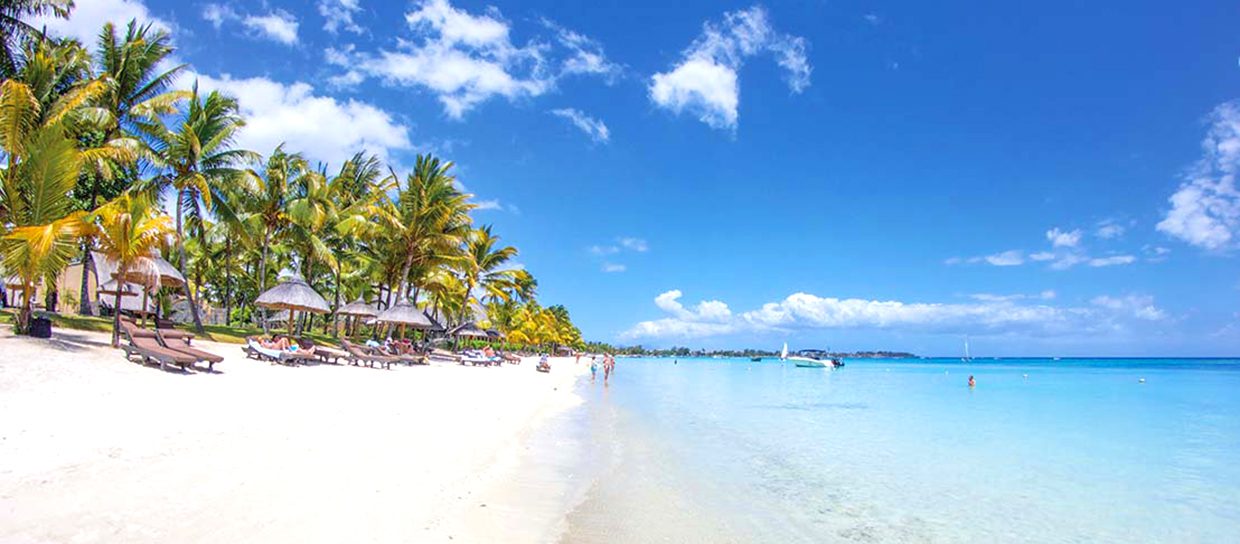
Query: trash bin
x,y
41,327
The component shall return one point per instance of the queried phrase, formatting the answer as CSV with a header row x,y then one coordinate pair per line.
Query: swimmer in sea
x,y
972,382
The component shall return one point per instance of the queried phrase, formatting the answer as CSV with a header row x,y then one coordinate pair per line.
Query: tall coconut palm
x,y
194,151
14,30
130,228
137,86
43,111
428,220
262,201
484,267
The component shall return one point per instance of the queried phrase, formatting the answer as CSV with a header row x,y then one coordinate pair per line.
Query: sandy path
x,y
96,449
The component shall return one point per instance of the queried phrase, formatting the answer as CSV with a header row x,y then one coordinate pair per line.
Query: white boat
x,y
807,362
967,358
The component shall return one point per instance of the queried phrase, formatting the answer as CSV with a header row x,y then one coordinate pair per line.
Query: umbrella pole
x,y
145,292
290,323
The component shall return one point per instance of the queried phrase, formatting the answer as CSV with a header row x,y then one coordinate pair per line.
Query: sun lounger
x,y
361,354
329,355
169,333
176,345
149,349
444,356
254,350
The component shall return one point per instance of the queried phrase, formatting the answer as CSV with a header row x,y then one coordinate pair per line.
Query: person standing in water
x,y
609,364
972,382
593,368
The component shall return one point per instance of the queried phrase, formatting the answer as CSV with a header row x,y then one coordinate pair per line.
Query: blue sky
x,y
859,175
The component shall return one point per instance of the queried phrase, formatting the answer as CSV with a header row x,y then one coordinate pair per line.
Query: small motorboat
x,y
811,358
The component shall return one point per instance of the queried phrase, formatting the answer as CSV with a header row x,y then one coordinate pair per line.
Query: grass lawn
x,y
218,333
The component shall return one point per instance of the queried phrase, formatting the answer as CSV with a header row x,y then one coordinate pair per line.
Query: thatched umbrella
x,y
294,295
469,330
144,272
358,308
407,315
169,276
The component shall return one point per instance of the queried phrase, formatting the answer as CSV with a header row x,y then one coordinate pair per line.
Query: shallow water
x,y
903,451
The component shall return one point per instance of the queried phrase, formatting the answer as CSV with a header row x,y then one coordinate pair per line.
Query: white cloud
x,y
217,14
322,127
1205,210
89,16
1012,257
1059,238
1138,306
990,297
705,82
709,311
872,18
604,250
278,25
991,314
635,244
586,55
1066,251
463,59
1112,260
594,128
1109,229
613,267
338,14
488,205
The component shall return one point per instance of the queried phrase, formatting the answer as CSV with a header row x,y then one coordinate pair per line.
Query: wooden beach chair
x,y
326,354
359,355
168,332
149,349
200,355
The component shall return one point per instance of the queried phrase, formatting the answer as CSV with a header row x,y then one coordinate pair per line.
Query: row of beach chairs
x,y
164,346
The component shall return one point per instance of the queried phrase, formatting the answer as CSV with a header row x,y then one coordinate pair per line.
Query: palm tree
x,y
428,220
14,30
130,228
483,267
43,110
196,157
137,86
263,202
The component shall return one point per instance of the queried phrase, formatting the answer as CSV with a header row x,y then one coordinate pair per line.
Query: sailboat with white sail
x,y
967,358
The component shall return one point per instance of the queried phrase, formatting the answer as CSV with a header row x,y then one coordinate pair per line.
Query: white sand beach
x,y
97,449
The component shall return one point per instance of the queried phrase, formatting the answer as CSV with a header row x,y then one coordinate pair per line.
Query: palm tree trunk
x,y
404,277
116,309
335,317
262,273
189,290
88,265
227,281
23,317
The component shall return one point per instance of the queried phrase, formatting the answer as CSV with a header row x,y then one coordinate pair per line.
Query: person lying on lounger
x,y
277,342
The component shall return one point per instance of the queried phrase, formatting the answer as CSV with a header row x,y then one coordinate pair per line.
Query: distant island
x,y
640,351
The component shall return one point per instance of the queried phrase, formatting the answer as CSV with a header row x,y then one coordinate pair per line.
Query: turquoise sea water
x,y
714,450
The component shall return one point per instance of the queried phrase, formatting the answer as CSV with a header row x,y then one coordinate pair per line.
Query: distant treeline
x,y
596,347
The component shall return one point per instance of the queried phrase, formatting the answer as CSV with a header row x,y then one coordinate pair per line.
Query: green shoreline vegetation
x,y
93,138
